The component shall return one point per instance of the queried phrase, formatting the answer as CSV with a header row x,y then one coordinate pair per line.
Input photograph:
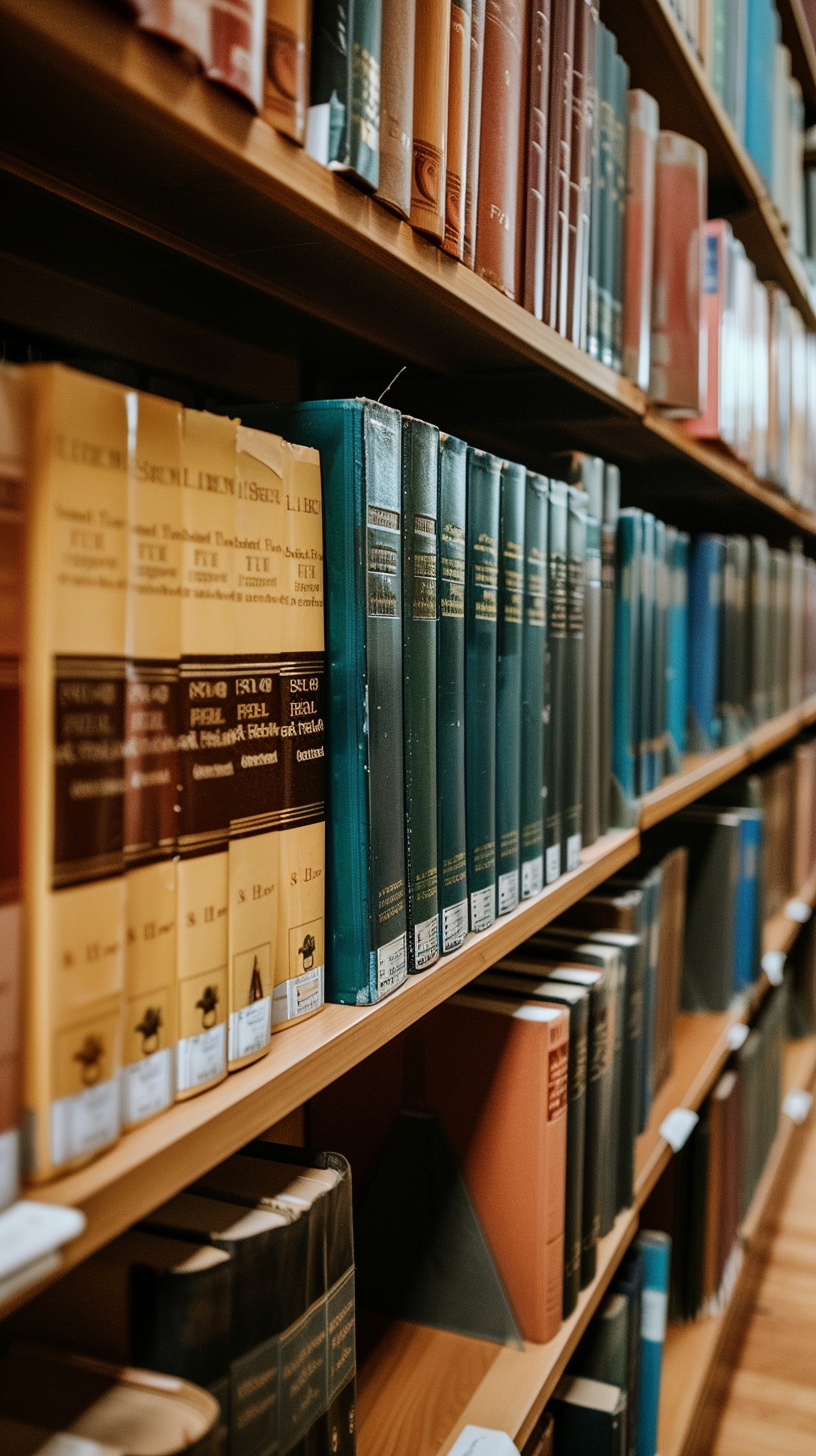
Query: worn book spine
x,y
573,740
646,663
644,124
554,742
431,67
534,649
591,717
586,27
556,256
498,235
477,25
510,638
677,358
457,141
286,76
677,549
420,606
184,24
450,699
481,619
238,47
627,662
609,199
538,117
73,720
397,104
153,644
207,735
597,204
343,122
611,507
620,148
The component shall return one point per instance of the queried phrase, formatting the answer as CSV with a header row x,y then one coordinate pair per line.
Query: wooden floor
x,y
770,1406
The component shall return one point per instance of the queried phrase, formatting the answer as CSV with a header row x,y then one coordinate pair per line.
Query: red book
x,y
498,235
644,125
536,186
185,23
238,47
677,366
556,244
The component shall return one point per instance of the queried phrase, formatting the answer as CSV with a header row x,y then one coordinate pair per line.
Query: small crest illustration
x,y
307,951
255,984
90,1057
208,1006
148,1029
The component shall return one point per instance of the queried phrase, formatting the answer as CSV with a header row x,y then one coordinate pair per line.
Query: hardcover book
x,y
627,665
450,700
510,642
431,65
677,352
535,197
704,618
497,255
474,134
592,677
583,112
457,139
644,124
559,146
481,611
343,122
397,104
286,74
533,700
237,52
574,676
556,670
611,507
12,561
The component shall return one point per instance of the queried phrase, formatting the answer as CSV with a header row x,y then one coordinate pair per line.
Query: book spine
x,y
397,104
477,25
705,609
710,424
187,26
611,497
609,200
343,124
497,228
658,731
574,676
627,660
644,124
680,207
610,1132
532,690
621,157
746,937
420,604
557,1094
591,714
646,660
450,722
554,740
73,719
457,147
597,204
535,200
153,643
431,63
677,652
593,1147
510,640
237,51
655,1249
286,75
481,612
556,257
586,26
576,1153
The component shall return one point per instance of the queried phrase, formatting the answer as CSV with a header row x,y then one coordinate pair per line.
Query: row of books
x,y
163,593
242,1285
784,789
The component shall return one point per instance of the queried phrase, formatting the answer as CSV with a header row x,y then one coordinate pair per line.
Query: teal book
x,y
611,508
510,645
596,203
366,901
450,695
481,620
343,122
655,1249
646,657
592,713
533,706
734,671
759,631
574,676
621,158
661,610
677,553
627,666
420,603
557,728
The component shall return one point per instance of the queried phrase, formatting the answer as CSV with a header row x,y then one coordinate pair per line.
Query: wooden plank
x,y
797,36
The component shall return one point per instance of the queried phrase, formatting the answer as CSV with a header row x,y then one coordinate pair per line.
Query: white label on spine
x,y
799,911
797,1105
317,132
147,1086
737,1035
392,965
532,877
85,1122
480,1441
454,926
64,1444
508,891
677,1125
573,851
773,964
298,996
653,1315
553,863
249,1028
9,1166
482,908
201,1058
426,942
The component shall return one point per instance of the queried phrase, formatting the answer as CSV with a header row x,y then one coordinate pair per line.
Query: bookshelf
x,y
797,37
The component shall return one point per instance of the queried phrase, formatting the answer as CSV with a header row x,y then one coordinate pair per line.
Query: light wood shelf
x,y
796,35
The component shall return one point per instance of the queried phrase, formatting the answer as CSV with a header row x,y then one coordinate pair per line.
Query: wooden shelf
x,y
796,35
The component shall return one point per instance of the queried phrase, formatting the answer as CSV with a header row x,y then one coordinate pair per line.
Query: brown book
x,y
672,917
805,790
458,109
730,1210
583,107
397,104
430,116
717,1130
286,76
498,234
535,200
12,555
477,24
556,250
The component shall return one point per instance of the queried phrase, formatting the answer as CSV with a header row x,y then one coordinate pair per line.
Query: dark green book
x,y
532,805
646,665
481,613
608,48
621,158
554,741
420,613
589,1417
510,640
574,678
611,506
591,706
603,1350
366,909
343,123
596,207
659,680
450,701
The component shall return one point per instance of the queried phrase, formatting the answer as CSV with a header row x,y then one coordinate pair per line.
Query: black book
x,y
589,1417
628,1281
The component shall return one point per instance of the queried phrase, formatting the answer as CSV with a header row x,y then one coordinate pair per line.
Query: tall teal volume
x,y
481,613
645,662
360,459
532,806
556,669
705,610
510,639
574,677
625,716
676,674
420,614
450,697
343,129
656,1251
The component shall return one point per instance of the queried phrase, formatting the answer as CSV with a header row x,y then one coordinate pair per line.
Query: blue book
x,y
705,611
763,29
677,649
655,1249
661,616
626,665
644,776
747,928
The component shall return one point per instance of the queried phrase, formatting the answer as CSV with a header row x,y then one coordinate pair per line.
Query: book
x,y
609,523
397,105
457,136
343,121
497,250
73,717
450,701
712,838
535,196
481,614
677,554
559,143
655,1250
12,558
628,1281
597,209
592,471
589,1415
182,24
556,670
420,598
620,157
583,110
661,649
733,664
510,658
474,130
644,125
237,51
609,200
534,647
574,671
758,631
603,1349
431,58
704,618
627,660
646,778
677,357
286,73
360,445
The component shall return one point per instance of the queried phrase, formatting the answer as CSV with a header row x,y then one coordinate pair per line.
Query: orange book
x,y
644,124
286,75
677,365
431,52
458,107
